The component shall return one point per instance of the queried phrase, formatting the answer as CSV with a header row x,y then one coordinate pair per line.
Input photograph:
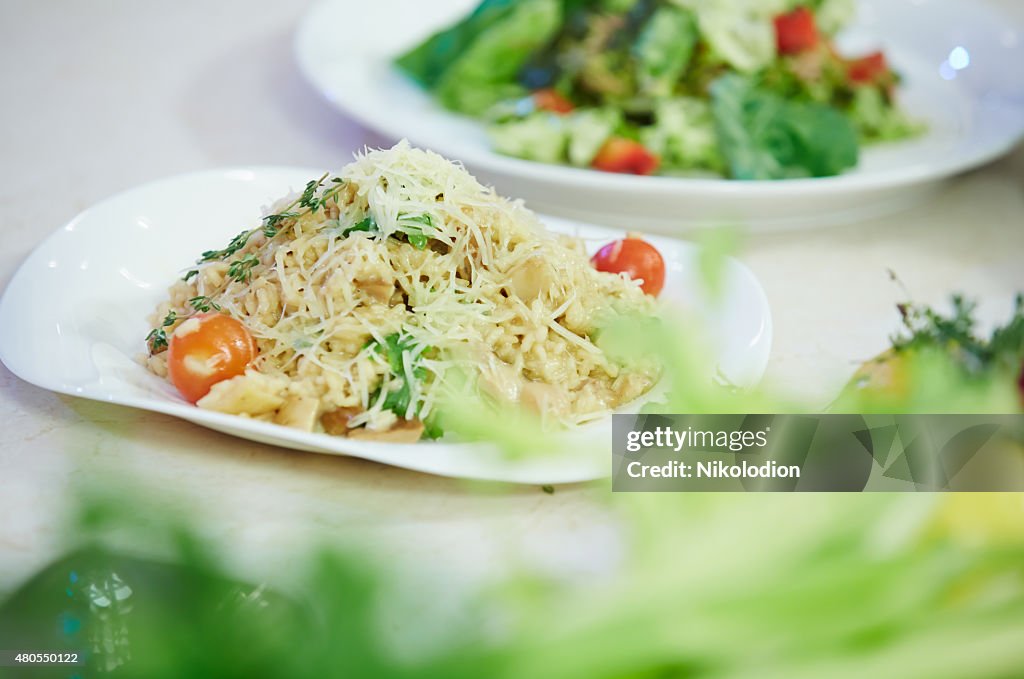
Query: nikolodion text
x,y
724,441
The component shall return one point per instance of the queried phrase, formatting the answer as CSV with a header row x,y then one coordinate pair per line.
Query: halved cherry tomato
x,y
207,349
796,31
625,156
551,100
636,258
868,69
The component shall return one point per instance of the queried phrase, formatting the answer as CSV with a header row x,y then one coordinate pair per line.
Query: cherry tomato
x,y
796,31
636,258
207,349
625,156
551,100
868,69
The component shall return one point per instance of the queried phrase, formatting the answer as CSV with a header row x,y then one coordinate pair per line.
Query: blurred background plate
x,y
73,319
958,59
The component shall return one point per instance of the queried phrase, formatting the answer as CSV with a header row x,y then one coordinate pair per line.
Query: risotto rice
x,y
365,291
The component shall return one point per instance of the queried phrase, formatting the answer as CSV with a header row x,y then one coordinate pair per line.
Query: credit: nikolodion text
x,y
716,469
831,453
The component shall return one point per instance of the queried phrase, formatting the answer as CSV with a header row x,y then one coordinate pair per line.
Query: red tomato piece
x,y
626,156
636,258
868,69
796,31
207,349
551,100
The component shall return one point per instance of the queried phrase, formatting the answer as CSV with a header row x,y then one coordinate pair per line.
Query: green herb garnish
x,y
157,337
203,304
236,244
307,202
955,334
413,228
369,225
241,269
156,340
308,197
271,223
392,350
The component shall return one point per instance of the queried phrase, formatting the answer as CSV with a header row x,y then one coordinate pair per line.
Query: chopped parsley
x,y
398,400
413,228
368,224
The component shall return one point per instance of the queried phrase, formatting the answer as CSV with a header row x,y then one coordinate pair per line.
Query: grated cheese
x,y
317,298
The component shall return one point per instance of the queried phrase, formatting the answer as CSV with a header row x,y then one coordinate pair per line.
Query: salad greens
x,y
472,66
751,90
764,135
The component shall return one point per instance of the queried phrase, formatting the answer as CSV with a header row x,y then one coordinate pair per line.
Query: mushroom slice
x,y
499,380
531,277
251,394
543,399
299,412
335,422
379,290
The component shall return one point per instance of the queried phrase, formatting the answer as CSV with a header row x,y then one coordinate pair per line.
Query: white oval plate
x,y
74,317
345,47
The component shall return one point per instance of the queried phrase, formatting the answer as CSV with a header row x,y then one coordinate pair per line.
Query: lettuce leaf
x,y
427,62
487,71
764,136
664,49
474,64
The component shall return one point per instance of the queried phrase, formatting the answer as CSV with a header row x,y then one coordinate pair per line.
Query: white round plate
x,y
73,318
975,114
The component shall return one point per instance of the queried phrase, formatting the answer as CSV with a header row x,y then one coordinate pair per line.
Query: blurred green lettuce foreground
x,y
717,586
